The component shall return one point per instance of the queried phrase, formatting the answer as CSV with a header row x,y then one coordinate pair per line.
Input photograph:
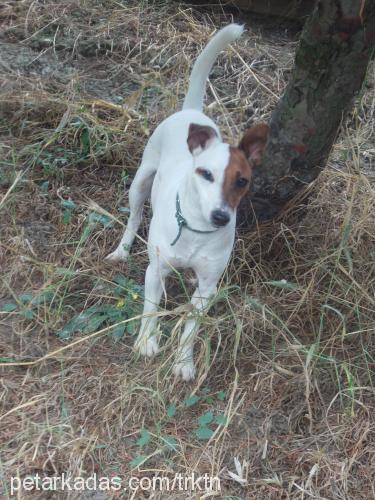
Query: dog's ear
x,y
200,137
254,141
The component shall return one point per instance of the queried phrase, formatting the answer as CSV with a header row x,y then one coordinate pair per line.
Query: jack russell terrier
x,y
196,182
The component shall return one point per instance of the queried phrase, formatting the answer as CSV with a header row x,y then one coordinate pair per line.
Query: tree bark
x,y
330,66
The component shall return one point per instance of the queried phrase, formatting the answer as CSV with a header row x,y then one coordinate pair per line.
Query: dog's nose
x,y
220,218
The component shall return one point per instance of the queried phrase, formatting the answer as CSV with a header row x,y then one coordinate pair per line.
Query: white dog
x,y
196,182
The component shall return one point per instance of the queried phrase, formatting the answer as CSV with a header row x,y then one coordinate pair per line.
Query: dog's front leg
x,y
147,342
184,364
140,190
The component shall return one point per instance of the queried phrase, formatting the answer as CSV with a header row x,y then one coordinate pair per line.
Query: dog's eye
x,y
206,174
241,182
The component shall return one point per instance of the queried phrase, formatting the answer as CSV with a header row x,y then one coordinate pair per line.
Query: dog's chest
x,y
188,250
197,251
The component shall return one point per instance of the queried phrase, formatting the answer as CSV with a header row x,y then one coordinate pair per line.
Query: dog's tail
x,y
204,63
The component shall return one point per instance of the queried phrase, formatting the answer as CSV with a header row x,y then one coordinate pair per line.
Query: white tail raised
x,y
202,67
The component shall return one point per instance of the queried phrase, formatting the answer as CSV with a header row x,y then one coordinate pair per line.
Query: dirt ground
x,y
285,356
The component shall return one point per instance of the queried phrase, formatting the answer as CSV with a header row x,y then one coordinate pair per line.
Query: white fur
x,y
204,63
168,167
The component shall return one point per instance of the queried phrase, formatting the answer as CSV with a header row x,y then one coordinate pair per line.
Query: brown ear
x,y
200,138
254,141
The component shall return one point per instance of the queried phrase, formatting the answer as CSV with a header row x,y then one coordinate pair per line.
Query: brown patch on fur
x,y
253,143
238,168
200,136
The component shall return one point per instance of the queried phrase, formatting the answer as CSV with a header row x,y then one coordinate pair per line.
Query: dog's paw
x,y
147,346
185,369
117,256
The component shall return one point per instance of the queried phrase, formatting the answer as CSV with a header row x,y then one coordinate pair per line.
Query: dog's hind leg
x,y
140,190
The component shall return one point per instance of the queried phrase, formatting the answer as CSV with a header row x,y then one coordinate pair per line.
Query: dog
x,y
196,182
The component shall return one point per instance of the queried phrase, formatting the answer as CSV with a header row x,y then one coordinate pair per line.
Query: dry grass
x,y
289,365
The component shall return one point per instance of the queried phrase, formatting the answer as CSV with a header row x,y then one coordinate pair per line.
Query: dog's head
x,y
222,173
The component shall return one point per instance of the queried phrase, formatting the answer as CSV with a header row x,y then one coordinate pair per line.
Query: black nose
x,y
220,218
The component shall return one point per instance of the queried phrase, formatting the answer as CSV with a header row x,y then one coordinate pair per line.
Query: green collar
x,y
182,222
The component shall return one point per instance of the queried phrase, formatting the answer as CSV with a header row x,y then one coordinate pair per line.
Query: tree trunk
x,y
330,65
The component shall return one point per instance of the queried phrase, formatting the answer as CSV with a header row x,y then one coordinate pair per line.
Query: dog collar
x,y
182,222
